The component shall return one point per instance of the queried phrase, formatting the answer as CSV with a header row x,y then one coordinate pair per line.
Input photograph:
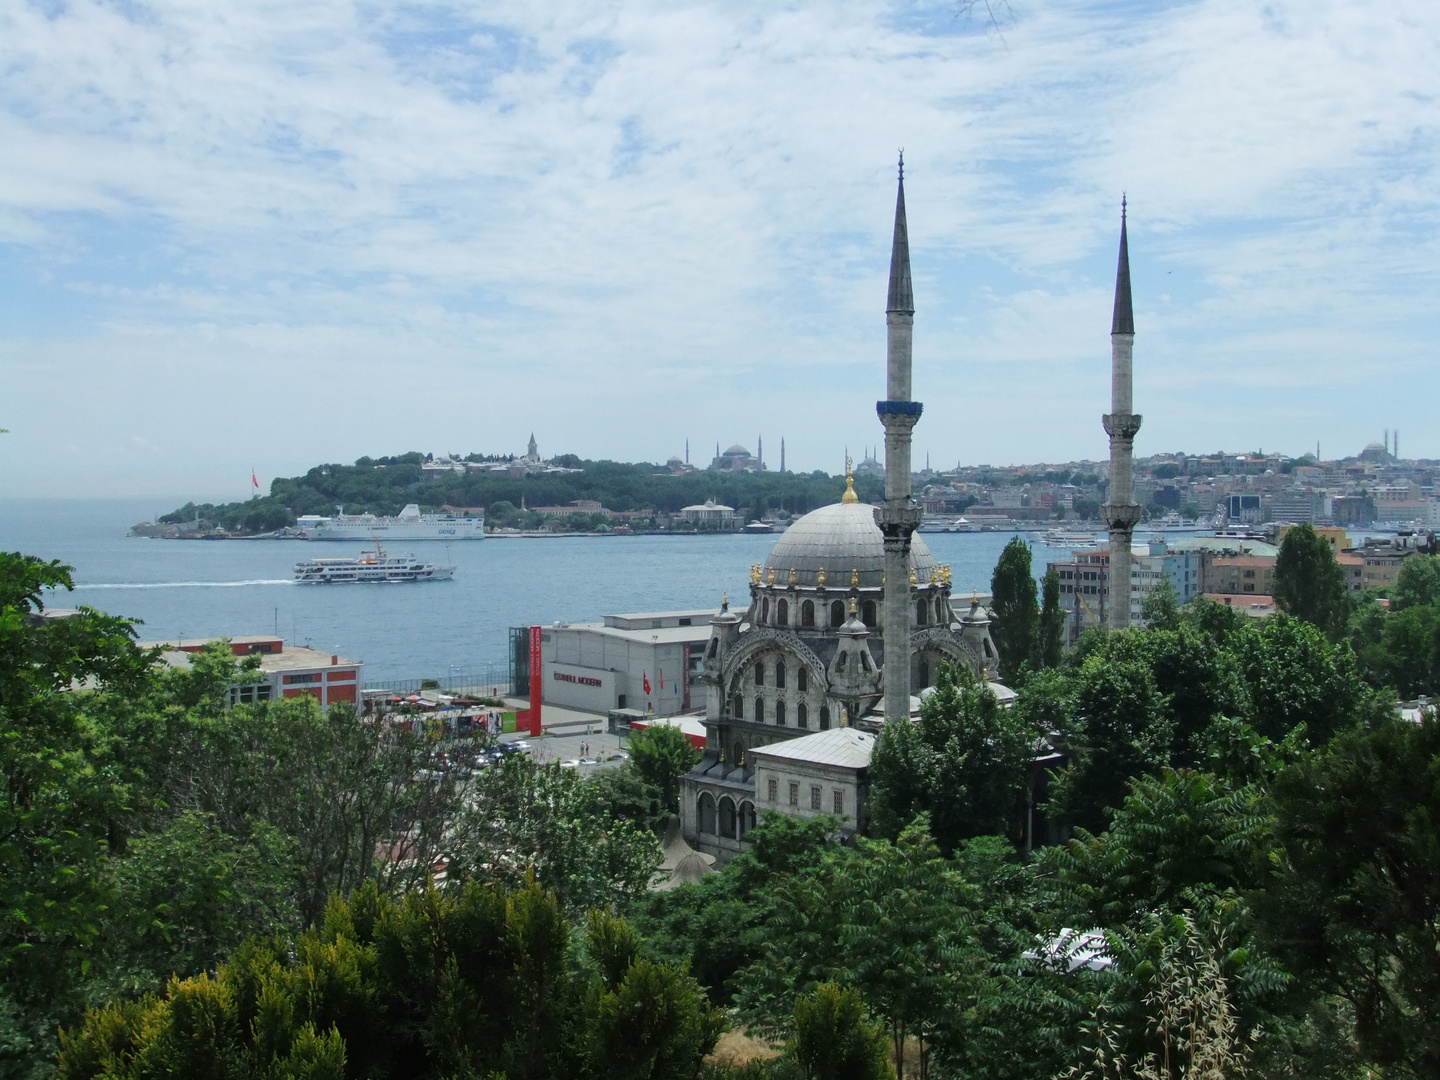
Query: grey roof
x,y
841,538
1124,319
846,747
902,296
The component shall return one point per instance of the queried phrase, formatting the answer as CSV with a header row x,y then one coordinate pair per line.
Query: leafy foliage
x,y
1016,627
1309,582
661,756
965,764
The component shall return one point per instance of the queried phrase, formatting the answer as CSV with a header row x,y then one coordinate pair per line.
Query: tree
x,y
1418,583
1158,608
1052,622
471,982
834,1039
1309,582
1294,676
1123,727
1017,611
525,819
964,764
662,755
1357,902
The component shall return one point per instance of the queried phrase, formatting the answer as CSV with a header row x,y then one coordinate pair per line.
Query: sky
x,y
269,235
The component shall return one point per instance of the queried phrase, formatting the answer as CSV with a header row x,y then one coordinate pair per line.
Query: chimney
x,y
334,660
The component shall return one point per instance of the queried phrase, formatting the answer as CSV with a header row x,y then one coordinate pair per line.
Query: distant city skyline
x,y
275,239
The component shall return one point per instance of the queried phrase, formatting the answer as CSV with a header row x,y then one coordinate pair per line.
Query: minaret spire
x,y
1121,511
899,517
902,295
1123,321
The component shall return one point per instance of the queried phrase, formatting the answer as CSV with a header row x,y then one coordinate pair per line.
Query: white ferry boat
x,y
1060,538
371,567
410,524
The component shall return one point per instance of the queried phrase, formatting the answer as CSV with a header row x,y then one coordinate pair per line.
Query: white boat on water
x,y
1060,538
373,567
1171,522
409,524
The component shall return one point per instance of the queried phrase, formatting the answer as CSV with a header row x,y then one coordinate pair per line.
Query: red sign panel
x,y
535,680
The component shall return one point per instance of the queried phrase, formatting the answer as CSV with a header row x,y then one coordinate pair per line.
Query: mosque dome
x,y
841,538
736,451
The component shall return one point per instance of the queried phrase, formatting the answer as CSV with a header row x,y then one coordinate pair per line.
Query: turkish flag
x,y
645,679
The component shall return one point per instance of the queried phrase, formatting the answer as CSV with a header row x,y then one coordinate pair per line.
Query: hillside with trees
x,y
384,485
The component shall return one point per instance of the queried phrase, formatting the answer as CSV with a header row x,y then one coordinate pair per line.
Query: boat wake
x,y
184,584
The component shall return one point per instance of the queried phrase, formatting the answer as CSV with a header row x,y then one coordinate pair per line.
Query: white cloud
x,y
280,233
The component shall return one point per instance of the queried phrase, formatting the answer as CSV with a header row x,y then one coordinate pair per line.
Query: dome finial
x,y
849,496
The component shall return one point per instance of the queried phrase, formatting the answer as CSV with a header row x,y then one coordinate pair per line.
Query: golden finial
x,y
722,757
755,573
772,576
725,601
854,579
821,580
844,716
852,605
792,575
913,581
849,496
741,762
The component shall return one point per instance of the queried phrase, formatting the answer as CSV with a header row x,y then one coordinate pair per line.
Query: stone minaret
x,y
1121,510
899,517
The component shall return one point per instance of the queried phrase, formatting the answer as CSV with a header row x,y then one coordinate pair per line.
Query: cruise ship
x,y
410,524
371,567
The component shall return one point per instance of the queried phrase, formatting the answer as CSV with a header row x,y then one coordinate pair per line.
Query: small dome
x,y
841,538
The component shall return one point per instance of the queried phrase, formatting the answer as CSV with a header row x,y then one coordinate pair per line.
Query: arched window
x,y
837,613
759,673
779,714
714,648
807,613
868,615
727,816
782,613
780,674
988,651
802,678
705,812
759,710
840,662
765,610
924,673
864,661
802,715
747,818
824,717
942,611
922,612
739,707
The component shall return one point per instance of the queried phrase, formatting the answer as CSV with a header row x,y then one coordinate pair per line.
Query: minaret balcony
x,y
1121,425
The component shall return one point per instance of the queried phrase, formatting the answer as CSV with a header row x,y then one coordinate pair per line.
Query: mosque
x,y
848,612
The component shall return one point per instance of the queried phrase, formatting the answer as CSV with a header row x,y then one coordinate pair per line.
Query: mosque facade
x,y
810,650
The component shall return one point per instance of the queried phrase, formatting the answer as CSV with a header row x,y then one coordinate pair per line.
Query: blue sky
x,y
270,235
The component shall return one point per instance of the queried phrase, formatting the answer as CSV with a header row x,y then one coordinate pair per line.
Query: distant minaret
x,y
760,452
782,453
687,450
1121,512
898,518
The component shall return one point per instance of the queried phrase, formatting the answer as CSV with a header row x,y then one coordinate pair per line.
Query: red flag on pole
x,y
662,678
645,680
254,480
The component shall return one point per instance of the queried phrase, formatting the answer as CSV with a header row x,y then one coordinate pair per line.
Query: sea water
x,y
436,629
